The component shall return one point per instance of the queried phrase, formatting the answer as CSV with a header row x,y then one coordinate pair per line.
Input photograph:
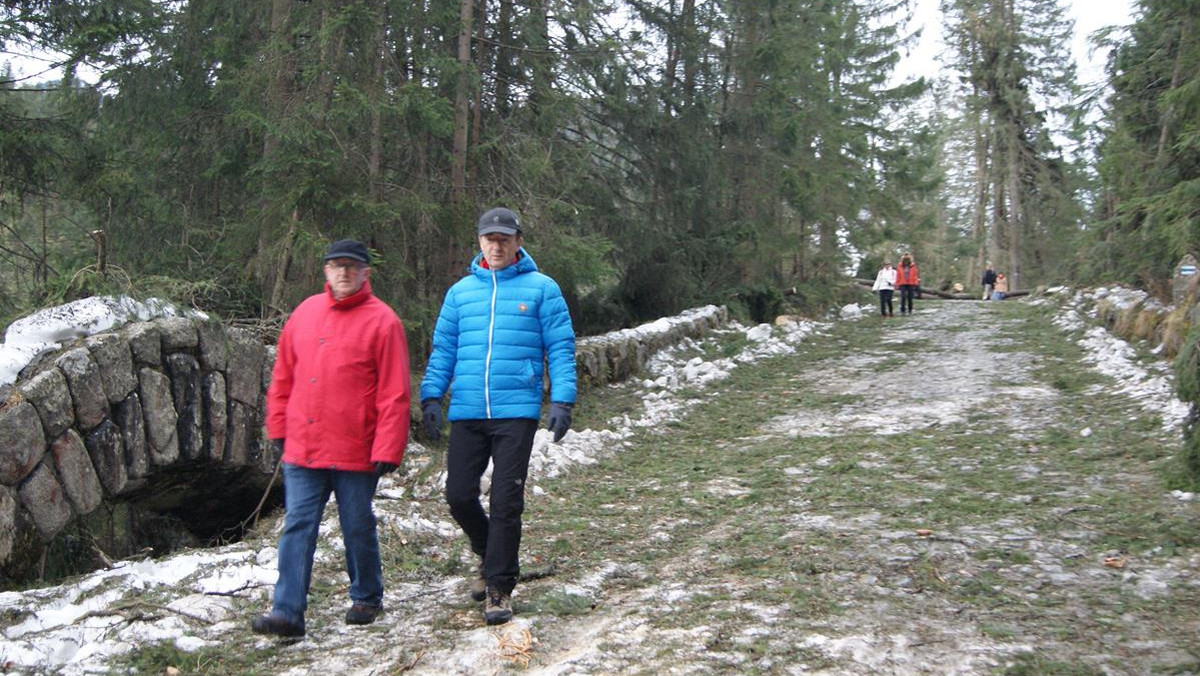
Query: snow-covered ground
x,y
75,628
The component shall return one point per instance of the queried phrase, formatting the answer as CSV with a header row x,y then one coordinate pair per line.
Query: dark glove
x,y
277,444
431,418
382,468
560,419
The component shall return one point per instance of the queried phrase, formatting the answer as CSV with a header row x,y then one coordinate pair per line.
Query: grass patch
x,y
556,602
1032,664
156,658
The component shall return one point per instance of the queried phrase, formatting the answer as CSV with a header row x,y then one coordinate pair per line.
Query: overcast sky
x,y
1089,16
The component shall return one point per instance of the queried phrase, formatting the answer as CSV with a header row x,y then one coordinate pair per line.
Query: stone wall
x,y
97,421
615,356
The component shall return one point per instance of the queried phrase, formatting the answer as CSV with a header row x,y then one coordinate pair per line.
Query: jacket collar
x,y
523,264
354,300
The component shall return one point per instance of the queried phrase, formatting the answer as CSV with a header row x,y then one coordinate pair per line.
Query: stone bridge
x,y
152,432
160,417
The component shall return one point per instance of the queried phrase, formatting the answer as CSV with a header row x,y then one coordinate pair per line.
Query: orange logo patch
x,y
522,307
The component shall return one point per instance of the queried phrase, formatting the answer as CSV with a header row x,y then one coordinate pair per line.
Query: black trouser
x,y
496,534
907,293
885,302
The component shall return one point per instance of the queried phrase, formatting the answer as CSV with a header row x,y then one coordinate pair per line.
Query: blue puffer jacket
x,y
490,339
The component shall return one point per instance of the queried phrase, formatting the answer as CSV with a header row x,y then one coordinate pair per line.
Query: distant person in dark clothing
x,y
907,280
989,281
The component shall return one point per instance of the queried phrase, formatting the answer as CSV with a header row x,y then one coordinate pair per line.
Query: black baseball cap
x,y
499,220
348,248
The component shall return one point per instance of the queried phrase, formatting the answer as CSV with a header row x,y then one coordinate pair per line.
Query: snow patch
x,y
48,329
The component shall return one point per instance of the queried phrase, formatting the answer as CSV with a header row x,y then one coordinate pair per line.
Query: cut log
x,y
948,296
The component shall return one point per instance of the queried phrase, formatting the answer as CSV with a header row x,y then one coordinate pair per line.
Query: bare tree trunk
x,y
540,56
674,40
801,270
285,260
331,53
1161,156
979,229
1168,117
503,64
379,91
1016,208
458,166
101,239
979,226
690,62
41,270
279,51
482,51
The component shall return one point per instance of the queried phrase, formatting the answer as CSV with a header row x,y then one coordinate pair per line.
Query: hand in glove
x,y
560,419
277,444
431,418
382,468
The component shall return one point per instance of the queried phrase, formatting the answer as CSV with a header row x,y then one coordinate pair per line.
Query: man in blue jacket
x,y
497,328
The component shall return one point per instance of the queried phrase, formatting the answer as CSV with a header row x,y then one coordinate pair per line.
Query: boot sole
x,y
497,618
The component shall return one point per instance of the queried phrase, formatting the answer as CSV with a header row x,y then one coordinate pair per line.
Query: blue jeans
x,y
305,493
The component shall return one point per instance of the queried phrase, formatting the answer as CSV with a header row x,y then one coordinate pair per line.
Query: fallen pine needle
x,y
517,649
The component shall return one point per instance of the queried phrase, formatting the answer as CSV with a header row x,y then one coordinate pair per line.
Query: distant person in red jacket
x,y
338,405
907,280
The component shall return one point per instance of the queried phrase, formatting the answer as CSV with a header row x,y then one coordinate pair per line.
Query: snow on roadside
x,y
1149,383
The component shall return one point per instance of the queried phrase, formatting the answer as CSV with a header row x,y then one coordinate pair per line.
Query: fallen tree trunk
x,y
947,296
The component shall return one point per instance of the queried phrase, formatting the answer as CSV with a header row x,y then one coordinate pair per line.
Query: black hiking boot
x,y
362,614
276,625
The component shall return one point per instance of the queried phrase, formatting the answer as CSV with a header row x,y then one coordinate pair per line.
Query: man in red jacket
x,y
338,405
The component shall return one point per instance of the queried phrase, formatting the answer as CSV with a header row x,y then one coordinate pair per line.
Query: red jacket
x,y
340,389
907,276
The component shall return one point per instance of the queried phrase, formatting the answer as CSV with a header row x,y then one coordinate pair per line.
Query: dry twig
x,y
516,649
1105,532
139,611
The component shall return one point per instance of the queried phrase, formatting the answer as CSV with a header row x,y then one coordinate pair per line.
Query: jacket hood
x,y
523,265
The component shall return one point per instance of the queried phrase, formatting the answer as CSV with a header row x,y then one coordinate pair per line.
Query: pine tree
x,y
1019,86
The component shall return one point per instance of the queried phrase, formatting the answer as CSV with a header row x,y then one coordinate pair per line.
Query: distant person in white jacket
x,y
885,284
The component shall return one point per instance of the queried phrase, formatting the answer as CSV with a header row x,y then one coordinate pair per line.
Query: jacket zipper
x,y
487,363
